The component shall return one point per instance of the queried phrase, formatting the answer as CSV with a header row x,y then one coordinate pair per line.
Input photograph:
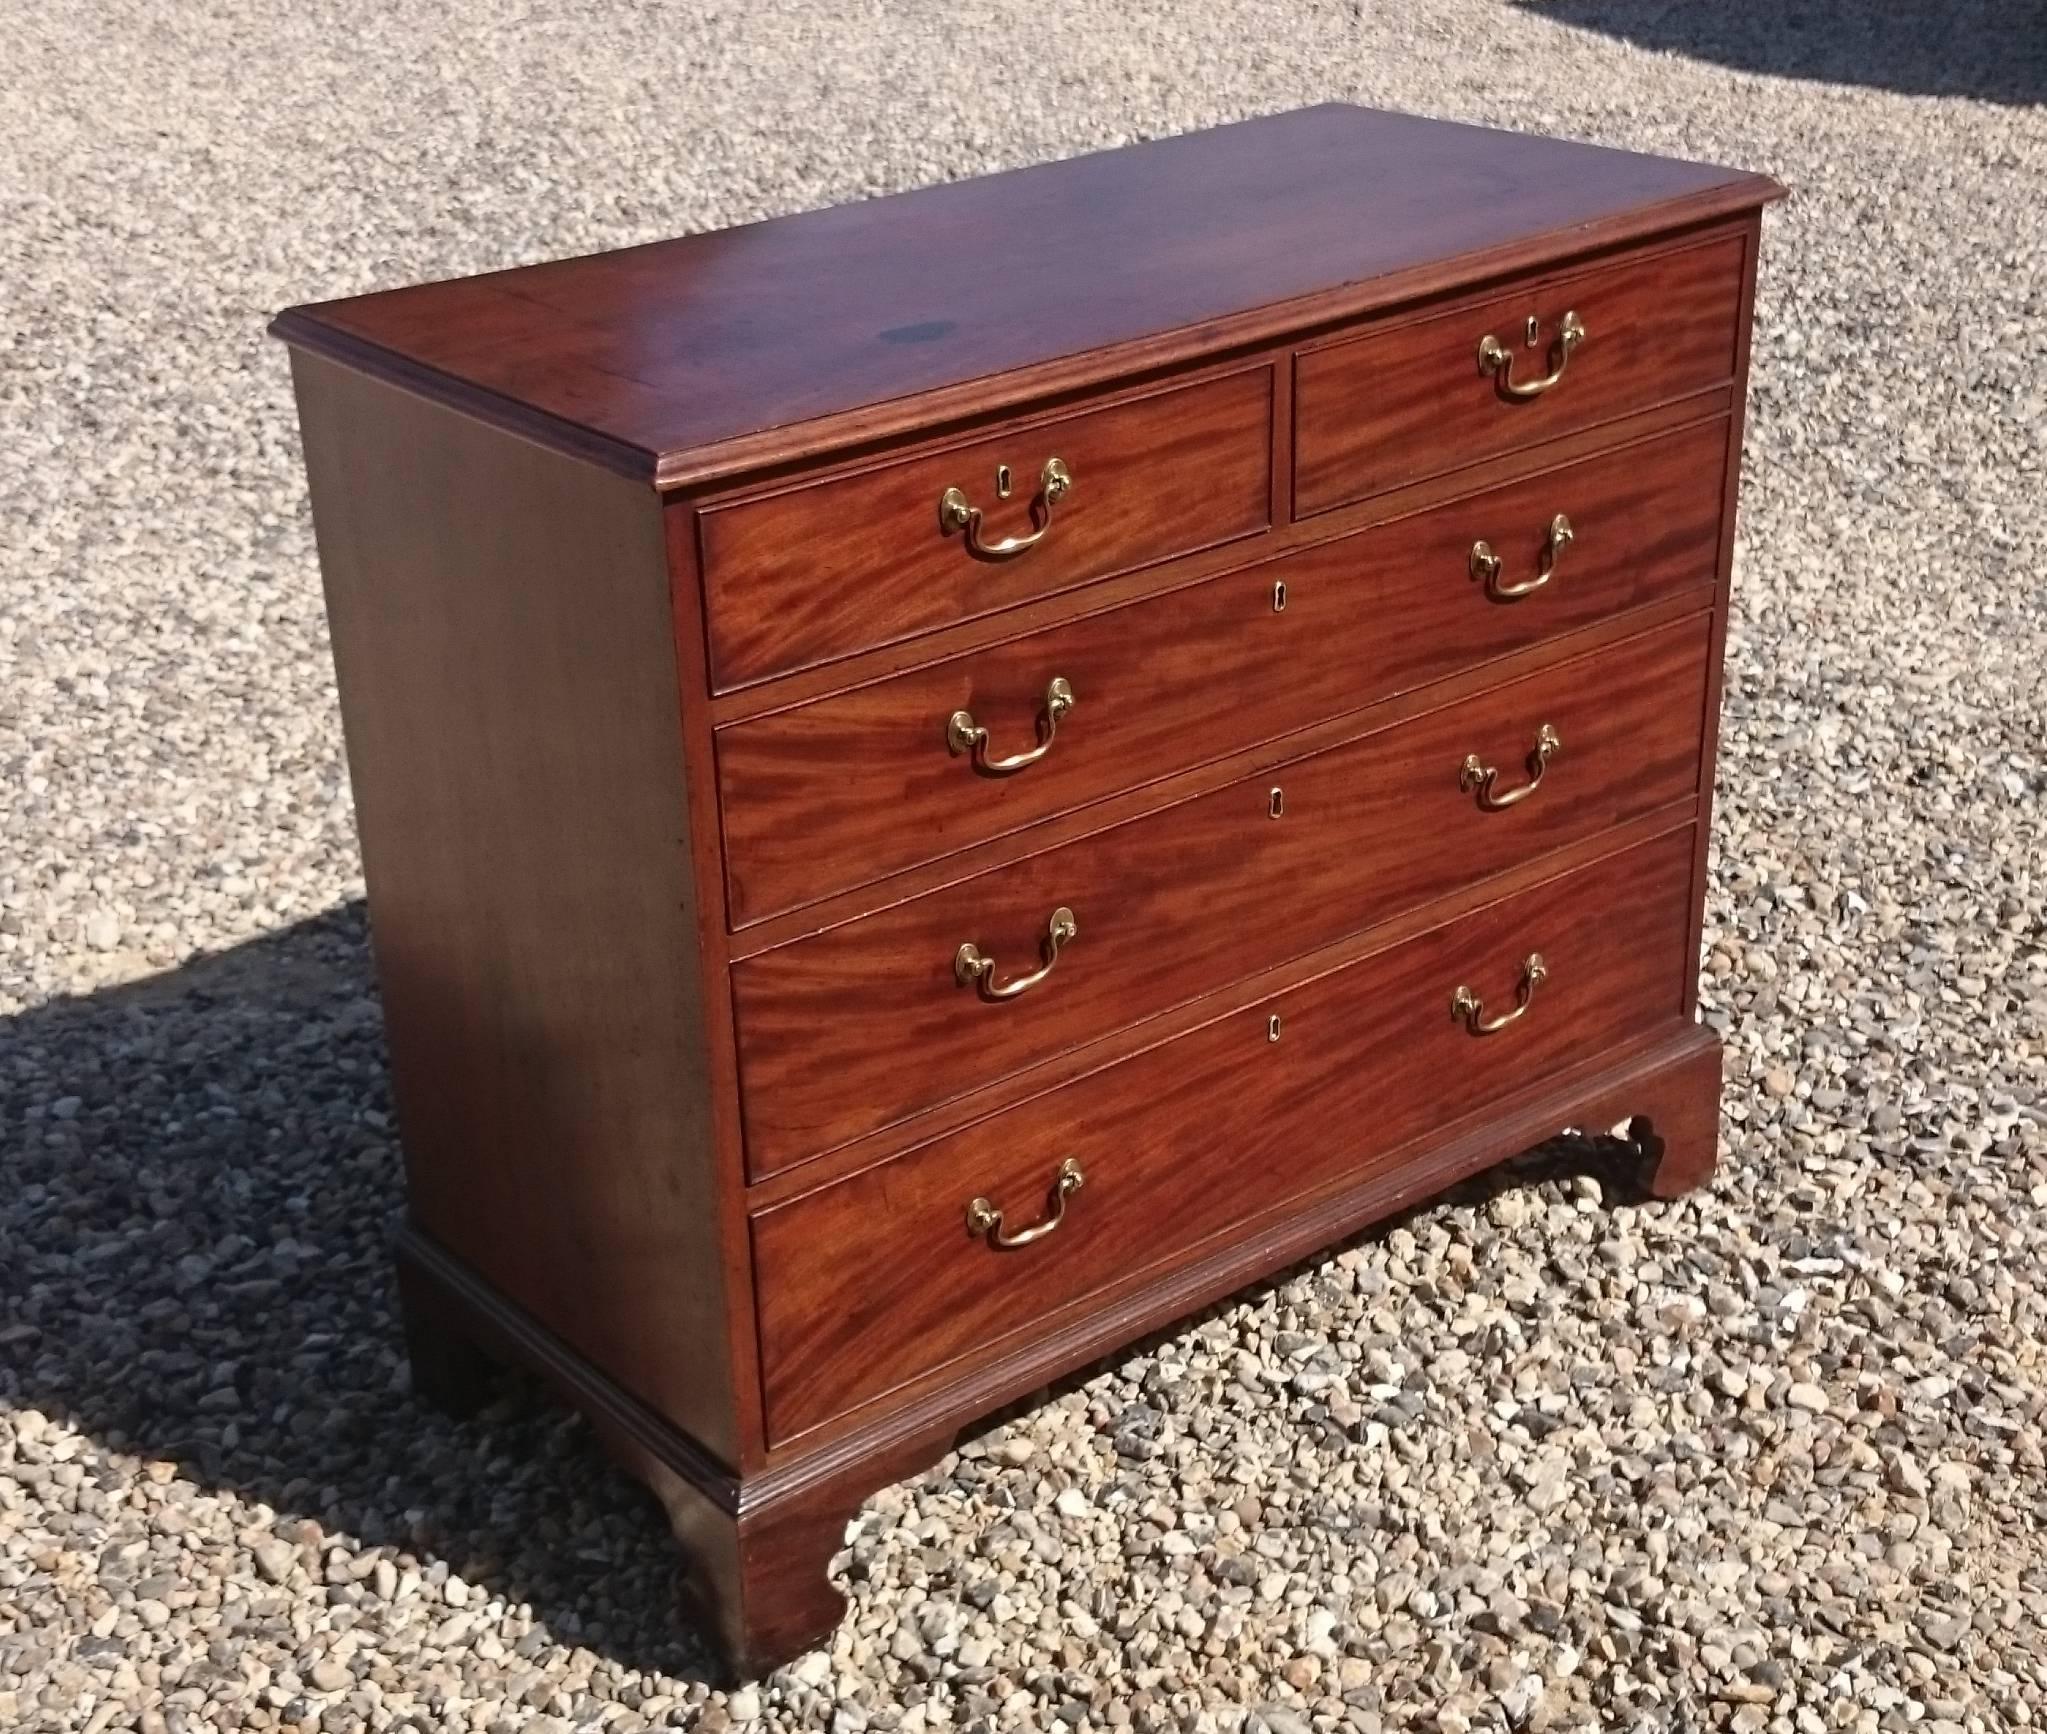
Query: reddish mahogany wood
x,y
1709,749
851,561
833,794
721,1081
878,1278
754,345
1201,893
499,616
1664,1091
758,1547
1077,1062
1409,401
941,644
531,657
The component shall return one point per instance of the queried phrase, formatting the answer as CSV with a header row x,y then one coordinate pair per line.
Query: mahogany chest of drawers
x,y
944,781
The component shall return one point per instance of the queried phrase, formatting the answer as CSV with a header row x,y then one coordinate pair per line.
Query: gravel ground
x,y
1768,1459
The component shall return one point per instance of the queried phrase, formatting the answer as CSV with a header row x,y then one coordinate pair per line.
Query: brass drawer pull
x,y
1496,360
984,1218
955,514
971,964
1479,776
964,735
1485,564
1469,1010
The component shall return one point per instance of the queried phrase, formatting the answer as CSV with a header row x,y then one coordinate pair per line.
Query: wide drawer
x,y
852,1029
827,568
1416,399
876,1279
833,794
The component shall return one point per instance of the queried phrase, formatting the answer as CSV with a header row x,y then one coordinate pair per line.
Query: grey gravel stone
x,y
328,1677
1769,1458
275,1560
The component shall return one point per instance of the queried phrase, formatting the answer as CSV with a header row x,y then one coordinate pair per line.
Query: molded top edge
x,y
688,360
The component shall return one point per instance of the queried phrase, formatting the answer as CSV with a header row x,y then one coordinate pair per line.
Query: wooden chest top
x,y
692,359
945,781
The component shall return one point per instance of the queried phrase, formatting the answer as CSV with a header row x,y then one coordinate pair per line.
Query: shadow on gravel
x,y
200,1187
1993,50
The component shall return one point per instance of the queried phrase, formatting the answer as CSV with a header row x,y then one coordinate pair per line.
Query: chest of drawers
x,y
944,781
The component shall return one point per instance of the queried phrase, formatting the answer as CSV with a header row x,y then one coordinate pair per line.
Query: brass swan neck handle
x,y
1496,360
973,966
1475,774
964,735
1469,1010
955,513
984,1218
1485,565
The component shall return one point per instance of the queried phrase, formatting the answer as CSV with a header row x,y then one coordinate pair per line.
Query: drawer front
x,y
874,1280
834,794
850,1030
1398,405
832,567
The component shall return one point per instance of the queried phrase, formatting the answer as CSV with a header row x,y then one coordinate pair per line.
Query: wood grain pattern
x,y
500,624
877,1278
647,629
1670,1079
1185,900
1409,401
851,561
757,1547
1709,748
702,355
1077,1062
830,795
941,644
726,1152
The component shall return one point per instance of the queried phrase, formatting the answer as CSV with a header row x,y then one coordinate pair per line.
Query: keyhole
x,y
1534,331
1002,470
1279,596
1272,1028
1275,803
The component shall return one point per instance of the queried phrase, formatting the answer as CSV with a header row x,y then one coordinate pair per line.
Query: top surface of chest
x,y
692,358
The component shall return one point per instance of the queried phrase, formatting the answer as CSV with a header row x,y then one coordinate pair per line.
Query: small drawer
x,y
1158,910
830,567
1413,400
837,793
898,1271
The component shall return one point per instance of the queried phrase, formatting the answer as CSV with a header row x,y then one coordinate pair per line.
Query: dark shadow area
x,y
201,1188
1992,50
202,1184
